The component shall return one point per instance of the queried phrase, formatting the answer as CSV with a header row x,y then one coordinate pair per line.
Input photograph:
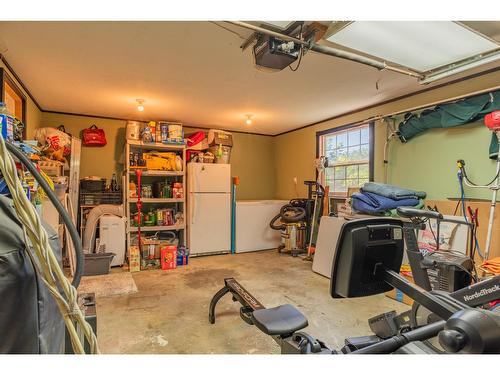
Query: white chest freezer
x,y
252,225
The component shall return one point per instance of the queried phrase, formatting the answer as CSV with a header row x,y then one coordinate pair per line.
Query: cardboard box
x,y
134,259
352,190
168,257
398,295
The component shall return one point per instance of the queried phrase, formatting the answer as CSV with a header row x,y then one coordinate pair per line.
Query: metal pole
x,y
326,50
495,188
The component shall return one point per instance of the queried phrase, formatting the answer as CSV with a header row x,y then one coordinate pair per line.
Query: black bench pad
x,y
280,320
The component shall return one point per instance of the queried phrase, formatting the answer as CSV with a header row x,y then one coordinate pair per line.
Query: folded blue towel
x,y
374,203
393,192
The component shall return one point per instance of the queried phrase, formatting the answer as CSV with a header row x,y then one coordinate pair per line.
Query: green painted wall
x,y
251,158
267,165
427,162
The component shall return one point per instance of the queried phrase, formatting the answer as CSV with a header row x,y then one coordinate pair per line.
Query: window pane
x,y
328,173
339,186
331,142
353,153
342,140
364,171
340,172
329,177
354,137
344,150
352,183
342,155
331,155
364,152
352,171
365,135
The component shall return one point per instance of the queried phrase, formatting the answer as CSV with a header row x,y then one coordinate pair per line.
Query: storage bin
x,y
97,264
182,260
182,256
93,186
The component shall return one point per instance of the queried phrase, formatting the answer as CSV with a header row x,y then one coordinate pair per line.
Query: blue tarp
x,y
392,192
373,203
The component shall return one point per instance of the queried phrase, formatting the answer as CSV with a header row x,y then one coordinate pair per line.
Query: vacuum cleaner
x,y
297,220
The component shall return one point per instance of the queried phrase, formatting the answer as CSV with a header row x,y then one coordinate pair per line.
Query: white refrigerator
x,y
209,208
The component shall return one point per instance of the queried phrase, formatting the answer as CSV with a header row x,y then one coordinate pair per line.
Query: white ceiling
x,y
192,72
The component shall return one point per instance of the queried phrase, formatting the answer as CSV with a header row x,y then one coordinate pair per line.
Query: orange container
x,y
168,257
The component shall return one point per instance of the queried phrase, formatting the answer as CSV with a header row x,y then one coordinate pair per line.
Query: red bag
x,y
94,136
195,138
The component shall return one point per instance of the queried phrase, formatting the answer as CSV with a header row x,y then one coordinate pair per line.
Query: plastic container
x,y
6,122
133,131
182,256
60,190
222,153
97,264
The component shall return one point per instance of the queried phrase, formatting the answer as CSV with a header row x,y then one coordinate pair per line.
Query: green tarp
x,y
450,115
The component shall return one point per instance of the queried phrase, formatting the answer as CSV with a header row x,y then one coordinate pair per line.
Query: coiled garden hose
x,y
47,265
75,238
464,211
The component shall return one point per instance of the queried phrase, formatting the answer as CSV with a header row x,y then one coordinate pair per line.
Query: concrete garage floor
x,y
169,313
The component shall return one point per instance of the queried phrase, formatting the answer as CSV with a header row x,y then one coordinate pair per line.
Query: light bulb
x,y
140,108
248,121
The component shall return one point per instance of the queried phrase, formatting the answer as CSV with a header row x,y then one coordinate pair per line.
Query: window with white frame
x,y
348,150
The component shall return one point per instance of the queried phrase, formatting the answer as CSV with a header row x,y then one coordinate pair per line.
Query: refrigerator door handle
x,y
192,208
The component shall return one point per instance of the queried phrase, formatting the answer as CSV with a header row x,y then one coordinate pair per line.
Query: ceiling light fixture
x,y
248,121
140,104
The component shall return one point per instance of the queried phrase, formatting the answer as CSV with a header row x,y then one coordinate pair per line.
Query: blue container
x,y
182,256
7,125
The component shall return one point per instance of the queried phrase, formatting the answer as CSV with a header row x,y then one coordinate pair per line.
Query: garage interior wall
x,y
250,158
426,158
33,113
427,162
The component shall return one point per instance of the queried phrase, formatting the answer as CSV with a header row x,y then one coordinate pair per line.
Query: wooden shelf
x,y
157,200
146,173
157,228
156,146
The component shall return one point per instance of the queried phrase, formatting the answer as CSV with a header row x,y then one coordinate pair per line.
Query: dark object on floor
x,y
86,301
97,264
